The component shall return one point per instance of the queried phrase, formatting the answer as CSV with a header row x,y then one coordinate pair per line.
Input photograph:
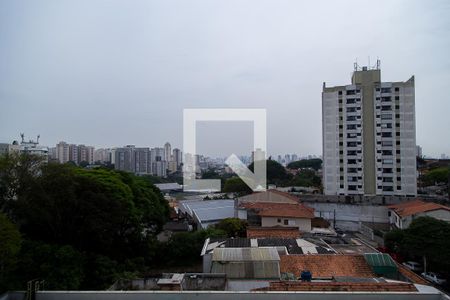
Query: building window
x,y
286,222
397,98
340,92
279,220
397,89
385,90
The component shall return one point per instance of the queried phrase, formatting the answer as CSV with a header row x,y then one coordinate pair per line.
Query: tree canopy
x,y
314,163
78,223
425,237
436,176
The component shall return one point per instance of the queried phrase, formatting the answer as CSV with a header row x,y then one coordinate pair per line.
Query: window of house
x,y
286,221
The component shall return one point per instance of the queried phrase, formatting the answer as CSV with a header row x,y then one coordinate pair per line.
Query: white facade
x,y
369,144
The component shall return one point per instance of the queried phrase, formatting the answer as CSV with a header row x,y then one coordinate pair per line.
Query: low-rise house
x,y
267,214
401,215
274,208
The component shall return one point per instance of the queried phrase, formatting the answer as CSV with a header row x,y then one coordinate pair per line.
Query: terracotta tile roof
x,y
268,209
285,194
273,232
340,286
413,277
270,196
326,265
414,207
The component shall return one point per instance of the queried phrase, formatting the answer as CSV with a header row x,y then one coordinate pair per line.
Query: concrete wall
x,y
348,216
302,223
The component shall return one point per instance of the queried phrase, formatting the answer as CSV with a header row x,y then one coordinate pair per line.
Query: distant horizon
x,y
274,156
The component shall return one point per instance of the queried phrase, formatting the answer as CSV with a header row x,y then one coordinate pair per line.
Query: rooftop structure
x,y
207,212
327,265
401,215
249,263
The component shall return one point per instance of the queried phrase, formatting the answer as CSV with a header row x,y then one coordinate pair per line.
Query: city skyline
x,y
124,76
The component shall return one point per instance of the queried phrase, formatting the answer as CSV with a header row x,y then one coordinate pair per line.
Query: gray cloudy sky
x,y
109,73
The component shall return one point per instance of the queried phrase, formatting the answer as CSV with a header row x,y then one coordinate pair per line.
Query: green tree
x,y
438,175
233,227
276,173
306,178
426,237
10,242
314,163
61,267
236,185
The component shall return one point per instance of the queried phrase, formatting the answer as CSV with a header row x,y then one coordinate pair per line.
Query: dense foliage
x,y
80,228
314,163
436,176
425,237
236,185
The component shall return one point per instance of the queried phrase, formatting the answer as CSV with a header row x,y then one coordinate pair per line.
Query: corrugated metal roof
x,y
248,263
379,260
245,254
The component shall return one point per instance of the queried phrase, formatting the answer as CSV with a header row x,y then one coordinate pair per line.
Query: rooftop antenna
x,y
378,64
369,66
22,135
38,136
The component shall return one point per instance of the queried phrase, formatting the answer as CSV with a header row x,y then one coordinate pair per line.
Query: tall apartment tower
x,y
369,136
62,152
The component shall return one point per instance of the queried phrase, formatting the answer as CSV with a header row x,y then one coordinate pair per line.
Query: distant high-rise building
x,y
294,157
62,152
177,157
73,154
369,142
158,162
124,159
167,152
258,154
141,160
85,154
418,151
287,159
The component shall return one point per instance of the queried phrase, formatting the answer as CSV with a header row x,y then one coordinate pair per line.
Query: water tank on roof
x,y
306,275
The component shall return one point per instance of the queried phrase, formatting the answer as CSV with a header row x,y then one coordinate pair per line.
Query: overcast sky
x,y
110,73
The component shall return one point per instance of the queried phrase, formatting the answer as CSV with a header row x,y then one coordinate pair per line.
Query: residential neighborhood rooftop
x,y
416,206
286,210
326,265
275,232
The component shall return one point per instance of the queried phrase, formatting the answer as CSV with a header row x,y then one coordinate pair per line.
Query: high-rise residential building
x,y
101,155
141,160
177,157
157,162
294,157
124,159
62,152
369,140
168,152
73,154
85,154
